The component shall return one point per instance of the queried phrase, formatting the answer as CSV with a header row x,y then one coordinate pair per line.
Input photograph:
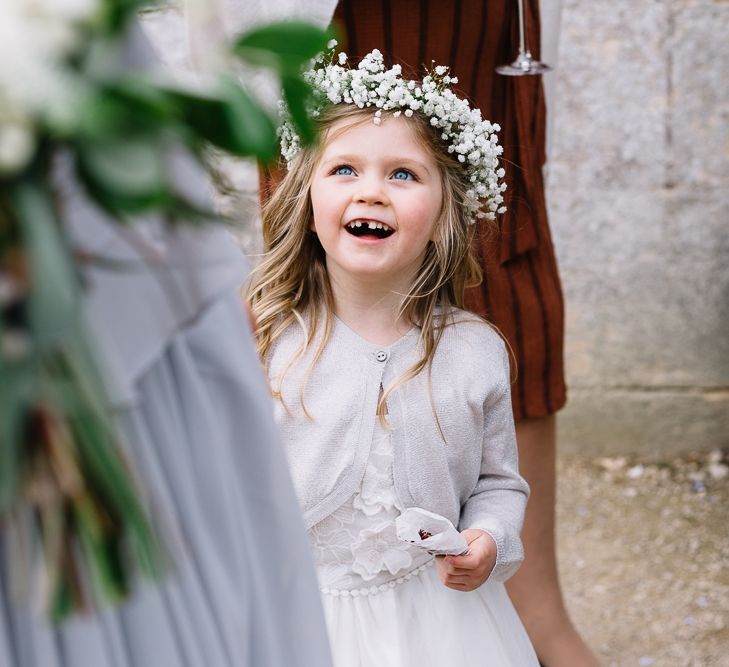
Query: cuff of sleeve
x,y
509,553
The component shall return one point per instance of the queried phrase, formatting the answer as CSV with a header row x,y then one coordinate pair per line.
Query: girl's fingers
x,y
465,584
452,570
461,587
461,581
461,562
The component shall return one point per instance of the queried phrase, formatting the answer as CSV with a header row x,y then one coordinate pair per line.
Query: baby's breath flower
x,y
17,143
472,139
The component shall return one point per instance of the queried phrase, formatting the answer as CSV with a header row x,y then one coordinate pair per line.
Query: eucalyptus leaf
x,y
107,573
250,123
62,603
231,120
296,93
73,384
17,388
117,13
130,105
284,46
124,176
182,210
100,116
54,292
103,466
139,94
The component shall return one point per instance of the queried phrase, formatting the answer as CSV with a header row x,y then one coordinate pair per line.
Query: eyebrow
x,y
404,161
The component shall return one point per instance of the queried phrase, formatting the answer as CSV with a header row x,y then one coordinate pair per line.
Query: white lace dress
x,y
384,603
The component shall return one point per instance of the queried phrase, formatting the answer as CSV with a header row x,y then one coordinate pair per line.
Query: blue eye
x,y
403,175
343,170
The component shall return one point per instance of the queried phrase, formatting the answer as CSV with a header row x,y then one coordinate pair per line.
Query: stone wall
x,y
638,190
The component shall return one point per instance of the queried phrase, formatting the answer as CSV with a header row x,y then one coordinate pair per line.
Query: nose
x,y
370,190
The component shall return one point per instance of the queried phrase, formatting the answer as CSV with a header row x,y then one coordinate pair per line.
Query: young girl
x,y
388,395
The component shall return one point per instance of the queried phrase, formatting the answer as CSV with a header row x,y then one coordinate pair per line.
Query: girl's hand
x,y
468,572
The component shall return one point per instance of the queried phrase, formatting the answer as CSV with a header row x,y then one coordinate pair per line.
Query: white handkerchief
x,y
430,531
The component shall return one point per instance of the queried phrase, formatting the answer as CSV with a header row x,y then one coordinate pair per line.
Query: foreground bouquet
x,y
75,516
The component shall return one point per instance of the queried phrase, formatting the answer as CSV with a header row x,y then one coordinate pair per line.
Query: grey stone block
x,y
646,282
648,425
611,95
699,101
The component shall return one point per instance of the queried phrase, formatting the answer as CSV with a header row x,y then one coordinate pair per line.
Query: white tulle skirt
x,y
420,622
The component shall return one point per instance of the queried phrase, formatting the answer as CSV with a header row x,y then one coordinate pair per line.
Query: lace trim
x,y
373,590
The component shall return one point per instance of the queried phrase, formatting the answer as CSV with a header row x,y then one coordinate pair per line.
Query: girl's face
x,y
376,193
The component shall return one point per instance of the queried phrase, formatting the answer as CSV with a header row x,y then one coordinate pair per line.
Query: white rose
x,y
17,144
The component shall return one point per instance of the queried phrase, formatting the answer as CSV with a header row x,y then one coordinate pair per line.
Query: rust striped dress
x,y
521,293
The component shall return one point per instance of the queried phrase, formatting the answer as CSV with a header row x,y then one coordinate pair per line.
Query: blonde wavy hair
x,y
291,285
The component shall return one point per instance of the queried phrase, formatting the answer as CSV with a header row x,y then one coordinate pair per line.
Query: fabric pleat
x,y
240,587
421,622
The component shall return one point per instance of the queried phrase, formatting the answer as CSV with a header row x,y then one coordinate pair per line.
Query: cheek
x,y
425,215
323,203
322,218
318,205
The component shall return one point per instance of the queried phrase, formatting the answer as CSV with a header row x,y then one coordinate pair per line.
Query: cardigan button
x,y
381,355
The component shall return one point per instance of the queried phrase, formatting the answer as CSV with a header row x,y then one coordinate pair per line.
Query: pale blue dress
x,y
193,406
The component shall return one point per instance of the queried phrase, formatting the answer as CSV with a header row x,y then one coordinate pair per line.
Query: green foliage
x,y
124,176
117,13
60,460
17,379
63,441
123,127
53,298
297,93
284,46
230,120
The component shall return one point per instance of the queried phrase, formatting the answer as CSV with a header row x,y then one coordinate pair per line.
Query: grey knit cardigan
x,y
466,470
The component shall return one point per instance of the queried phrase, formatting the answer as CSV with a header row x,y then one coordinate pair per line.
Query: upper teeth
x,y
371,225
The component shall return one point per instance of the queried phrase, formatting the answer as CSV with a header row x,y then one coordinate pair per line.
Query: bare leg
x,y
535,589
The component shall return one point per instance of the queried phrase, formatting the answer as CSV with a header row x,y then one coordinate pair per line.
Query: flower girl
x,y
393,402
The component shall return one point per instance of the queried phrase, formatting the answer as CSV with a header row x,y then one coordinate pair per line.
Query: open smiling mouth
x,y
369,229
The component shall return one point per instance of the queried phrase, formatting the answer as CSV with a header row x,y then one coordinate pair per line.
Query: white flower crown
x,y
469,136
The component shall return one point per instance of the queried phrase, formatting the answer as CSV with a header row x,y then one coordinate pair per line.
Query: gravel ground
x,y
644,558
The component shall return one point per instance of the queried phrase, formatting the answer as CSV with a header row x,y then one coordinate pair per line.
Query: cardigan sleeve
x,y
498,501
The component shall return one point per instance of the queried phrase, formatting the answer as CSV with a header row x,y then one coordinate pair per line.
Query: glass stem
x,y
522,31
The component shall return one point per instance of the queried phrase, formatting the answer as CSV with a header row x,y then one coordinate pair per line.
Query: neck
x,y
369,308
